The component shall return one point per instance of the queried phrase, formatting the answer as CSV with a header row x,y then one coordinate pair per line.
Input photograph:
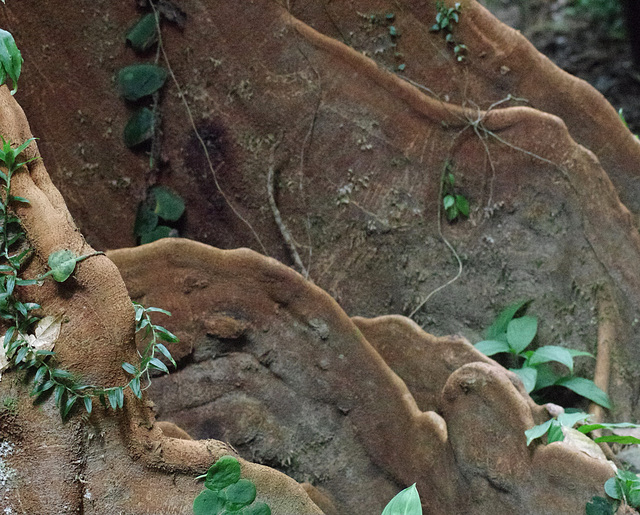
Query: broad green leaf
x,y
239,494
537,431
207,503
612,488
139,128
555,432
462,204
143,34
166,353
223,473
168,204
162,231
140,80
407,502
571,419
546,376
552,353
10,60
528,376
491,347
599,506
146,220
448,201
62,264
521,332
586,388
499,326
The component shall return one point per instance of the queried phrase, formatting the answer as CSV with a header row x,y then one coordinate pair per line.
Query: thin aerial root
x,y
197,133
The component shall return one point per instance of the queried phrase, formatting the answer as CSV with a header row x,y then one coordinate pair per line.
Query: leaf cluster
x,y
446,17
455,205
513,334
162,205
226,493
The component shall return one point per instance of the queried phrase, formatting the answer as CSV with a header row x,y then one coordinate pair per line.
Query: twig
x,y
286,235
195,130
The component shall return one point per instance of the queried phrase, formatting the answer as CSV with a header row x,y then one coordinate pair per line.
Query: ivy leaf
x,y
462,204
239,494
143,34
139,128
168,204
140,80
62,264
224,472
162,231
10,60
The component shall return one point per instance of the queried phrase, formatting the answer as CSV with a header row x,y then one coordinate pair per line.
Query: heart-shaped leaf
x,y
140,80
139,128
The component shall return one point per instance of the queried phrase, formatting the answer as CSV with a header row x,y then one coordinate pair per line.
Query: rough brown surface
x,y
361,152
108,462
302,388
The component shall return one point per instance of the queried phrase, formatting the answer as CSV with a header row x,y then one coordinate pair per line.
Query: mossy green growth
x,y
226,493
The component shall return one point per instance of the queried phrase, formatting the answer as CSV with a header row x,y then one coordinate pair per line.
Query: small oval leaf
x,y
223,473
139,128
140,80
143,34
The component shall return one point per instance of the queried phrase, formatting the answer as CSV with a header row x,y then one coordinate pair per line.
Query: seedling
x,y
227,493
512,334
455,205
407,502
446,17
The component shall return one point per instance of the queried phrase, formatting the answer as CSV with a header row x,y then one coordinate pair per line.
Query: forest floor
x,y
588,42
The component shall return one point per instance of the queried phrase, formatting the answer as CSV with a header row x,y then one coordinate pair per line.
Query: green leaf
x,y
612,488
257,508
537,431
239,494
586,388
158,310
577,353
448,201
60,373
407,502
129,368
68,405
555,432
552,353
491,347
113,397
168,204
568,419
162,231
134,384
59,393
119,394
223,473
587,428
143,34
166,353
599,506
166,335
16,198
528,376
140,80
40,373
499,326
462,204
546,377
207,503
10,60
521,332
139,128
159,365
626,440
88,404
62,264
146,221
452,213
